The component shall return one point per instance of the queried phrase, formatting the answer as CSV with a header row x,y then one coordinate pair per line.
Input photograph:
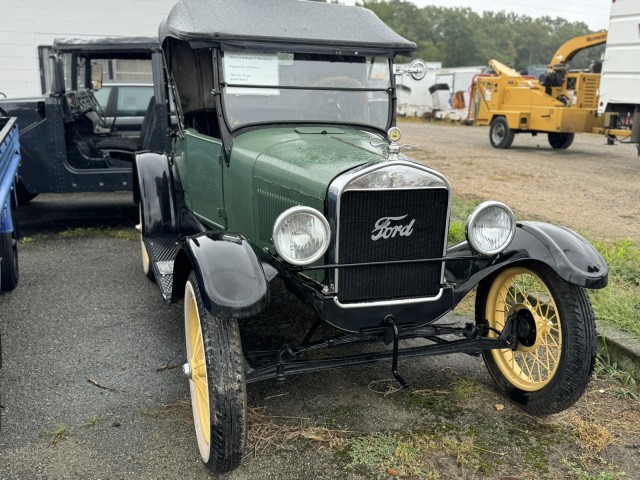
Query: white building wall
x,y
26,24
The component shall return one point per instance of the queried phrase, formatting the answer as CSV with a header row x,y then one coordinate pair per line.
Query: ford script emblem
x,y
385,228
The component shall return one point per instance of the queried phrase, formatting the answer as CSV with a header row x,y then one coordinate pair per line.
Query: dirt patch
x,y
591,187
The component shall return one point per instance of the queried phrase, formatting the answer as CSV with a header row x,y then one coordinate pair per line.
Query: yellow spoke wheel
x,y
519,294
198,384
146,262
554,326
215,368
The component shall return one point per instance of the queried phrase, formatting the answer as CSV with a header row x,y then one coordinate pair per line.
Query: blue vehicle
x,y
9,161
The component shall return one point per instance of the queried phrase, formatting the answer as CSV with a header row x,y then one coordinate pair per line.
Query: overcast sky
x,y
595,13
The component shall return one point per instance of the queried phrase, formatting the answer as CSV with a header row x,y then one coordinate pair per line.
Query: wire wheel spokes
x,y
521,294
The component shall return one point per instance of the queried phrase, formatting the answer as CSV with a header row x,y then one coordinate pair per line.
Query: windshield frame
x,y
370,60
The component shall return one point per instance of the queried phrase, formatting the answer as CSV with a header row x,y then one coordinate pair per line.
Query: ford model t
x,y
285,170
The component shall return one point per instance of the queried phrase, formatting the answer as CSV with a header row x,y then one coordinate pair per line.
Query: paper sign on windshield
x,y
251,69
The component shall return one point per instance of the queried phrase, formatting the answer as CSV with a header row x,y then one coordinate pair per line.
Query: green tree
x,y
462,37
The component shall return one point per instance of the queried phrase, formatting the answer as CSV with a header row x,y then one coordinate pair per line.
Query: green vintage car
x,y
285,170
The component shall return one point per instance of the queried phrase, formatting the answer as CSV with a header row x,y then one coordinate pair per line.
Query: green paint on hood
x,y
306,160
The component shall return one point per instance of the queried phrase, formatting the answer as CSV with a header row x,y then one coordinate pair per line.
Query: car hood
x,y
306,159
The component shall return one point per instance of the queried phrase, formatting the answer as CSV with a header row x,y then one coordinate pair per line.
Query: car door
x,y
201,159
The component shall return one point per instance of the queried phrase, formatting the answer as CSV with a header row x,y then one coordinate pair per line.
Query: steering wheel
x,y
96,107
334,104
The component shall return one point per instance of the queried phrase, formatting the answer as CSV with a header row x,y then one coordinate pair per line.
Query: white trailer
x,y
414,98
460,81
619,94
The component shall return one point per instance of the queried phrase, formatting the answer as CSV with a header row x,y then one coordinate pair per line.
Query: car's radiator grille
x,y
414,223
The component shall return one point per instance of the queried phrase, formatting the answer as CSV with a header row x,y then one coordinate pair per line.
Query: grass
x,y
179,409
480,441
618,304
58,433
80,232
460,210
581,471
382,455
626,385
92,421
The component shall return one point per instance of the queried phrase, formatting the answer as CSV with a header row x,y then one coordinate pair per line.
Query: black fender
x,y
569,254
230,275
153,188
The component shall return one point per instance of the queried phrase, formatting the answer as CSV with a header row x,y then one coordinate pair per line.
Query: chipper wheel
x,y
560,141
550,367
500,135
215,369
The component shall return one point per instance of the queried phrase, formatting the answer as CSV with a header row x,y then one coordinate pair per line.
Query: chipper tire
x,y
561,141
550,368
217,382
500,135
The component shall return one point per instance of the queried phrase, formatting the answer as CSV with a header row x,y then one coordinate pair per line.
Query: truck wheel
x,y
561,140
216,380
500,135
146,261
9,253
550,367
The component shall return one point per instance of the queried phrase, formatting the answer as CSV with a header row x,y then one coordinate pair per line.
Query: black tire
x,y
24,195
561,140
553,362
9,272
500,135
220,378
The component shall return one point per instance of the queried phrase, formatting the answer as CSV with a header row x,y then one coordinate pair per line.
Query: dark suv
x,y
68,143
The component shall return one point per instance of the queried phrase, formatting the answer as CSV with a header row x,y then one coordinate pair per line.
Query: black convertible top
x,y
316,26
107,44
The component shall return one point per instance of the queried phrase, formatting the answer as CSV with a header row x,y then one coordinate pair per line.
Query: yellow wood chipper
x,y
560,103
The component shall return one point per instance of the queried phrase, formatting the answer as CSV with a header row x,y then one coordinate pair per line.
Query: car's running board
x,y
162,252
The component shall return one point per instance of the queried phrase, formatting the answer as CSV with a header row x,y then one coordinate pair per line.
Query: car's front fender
x,y
153,189
572,257
230,276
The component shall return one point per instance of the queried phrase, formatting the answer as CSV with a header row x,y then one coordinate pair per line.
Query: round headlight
x,y
490,228
301,235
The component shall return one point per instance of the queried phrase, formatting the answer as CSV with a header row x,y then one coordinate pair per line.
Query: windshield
x,y
74,75
311,88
